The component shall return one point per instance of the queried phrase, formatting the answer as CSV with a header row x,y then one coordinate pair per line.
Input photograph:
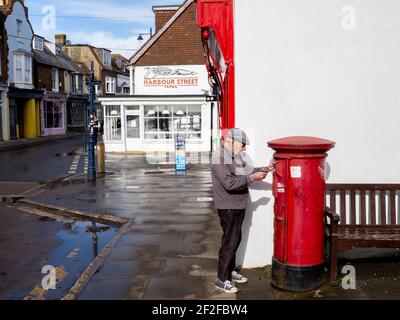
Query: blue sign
x,y
180,154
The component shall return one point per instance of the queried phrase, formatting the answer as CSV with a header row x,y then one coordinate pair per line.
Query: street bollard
x,y
101,158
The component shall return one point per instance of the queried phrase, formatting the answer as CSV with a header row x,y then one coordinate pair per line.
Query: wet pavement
x,y
32,242
170,249
39,163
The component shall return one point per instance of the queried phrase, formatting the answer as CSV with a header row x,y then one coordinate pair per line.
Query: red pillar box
x,y
299,191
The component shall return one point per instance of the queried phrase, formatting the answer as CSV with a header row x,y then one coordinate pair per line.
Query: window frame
x,y
38,43
110,84
55,80
20,32
107,58
160,120
23,67
111,123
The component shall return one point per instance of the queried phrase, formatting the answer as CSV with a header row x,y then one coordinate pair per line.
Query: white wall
x,y
306,67
15,43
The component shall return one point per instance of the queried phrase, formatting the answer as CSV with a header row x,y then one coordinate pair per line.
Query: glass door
x,y
132,126
133,129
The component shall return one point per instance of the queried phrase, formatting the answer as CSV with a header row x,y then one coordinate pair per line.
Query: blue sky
x,y
109,24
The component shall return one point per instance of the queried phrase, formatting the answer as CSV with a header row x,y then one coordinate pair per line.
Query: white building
x,y
21,117
169,90
329,69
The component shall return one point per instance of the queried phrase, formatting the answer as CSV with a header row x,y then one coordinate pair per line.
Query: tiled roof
x,y
61,61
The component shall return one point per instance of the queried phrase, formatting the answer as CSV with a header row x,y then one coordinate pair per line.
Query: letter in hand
x,y
258,176
270,167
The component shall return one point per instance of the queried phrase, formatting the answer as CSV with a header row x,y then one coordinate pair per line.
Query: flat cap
x,y
238,135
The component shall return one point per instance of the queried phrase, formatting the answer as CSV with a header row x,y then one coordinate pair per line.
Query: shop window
x,y
165,122
112,126
77,112
53,115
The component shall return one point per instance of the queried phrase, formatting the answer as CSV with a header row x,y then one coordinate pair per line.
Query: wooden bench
x,y
365,216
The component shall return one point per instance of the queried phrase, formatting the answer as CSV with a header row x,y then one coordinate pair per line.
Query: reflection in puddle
x,y
81,243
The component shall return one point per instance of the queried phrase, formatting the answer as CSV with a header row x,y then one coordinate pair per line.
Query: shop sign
x,y
191,79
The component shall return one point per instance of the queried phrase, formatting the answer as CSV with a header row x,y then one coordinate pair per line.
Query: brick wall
x,y
179,45
43,77
162,17
84,55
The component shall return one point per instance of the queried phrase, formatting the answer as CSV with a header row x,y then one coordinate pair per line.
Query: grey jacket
x,y
231,179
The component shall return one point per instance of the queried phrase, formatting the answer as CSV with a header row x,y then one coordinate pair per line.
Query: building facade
x,y
104,73
327,69
3,73
169,90
62,81
120,65
21,118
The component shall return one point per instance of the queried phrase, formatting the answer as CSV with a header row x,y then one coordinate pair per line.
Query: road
x,y
41,163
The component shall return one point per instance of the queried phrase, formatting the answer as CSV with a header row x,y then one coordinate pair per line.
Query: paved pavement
x,y
170,249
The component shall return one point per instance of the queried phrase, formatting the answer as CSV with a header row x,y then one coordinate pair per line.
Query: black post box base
x,y
297,279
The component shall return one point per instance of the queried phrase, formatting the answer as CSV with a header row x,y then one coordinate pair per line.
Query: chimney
x,y
164,14
8,2
61,39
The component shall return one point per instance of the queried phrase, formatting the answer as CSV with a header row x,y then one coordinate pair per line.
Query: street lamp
x,y
92,162
140,37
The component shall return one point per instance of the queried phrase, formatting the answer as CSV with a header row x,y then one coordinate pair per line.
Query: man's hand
x,y
270,167
258,176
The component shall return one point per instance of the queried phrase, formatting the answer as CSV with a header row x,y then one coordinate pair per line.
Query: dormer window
x,y
58,50
38,43
107,58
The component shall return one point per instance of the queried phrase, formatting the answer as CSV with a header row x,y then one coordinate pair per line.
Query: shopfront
x,y
22,114
53,113
77,113
152,123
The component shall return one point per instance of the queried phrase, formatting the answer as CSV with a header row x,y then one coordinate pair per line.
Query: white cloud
x,y
131,11
104,32
125,46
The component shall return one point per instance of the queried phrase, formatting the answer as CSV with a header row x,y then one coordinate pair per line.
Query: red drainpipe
x,y
215,17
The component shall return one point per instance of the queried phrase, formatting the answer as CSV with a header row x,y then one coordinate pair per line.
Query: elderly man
x,y
231,179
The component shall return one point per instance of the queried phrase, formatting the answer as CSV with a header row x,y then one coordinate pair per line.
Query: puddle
x,y
82,241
